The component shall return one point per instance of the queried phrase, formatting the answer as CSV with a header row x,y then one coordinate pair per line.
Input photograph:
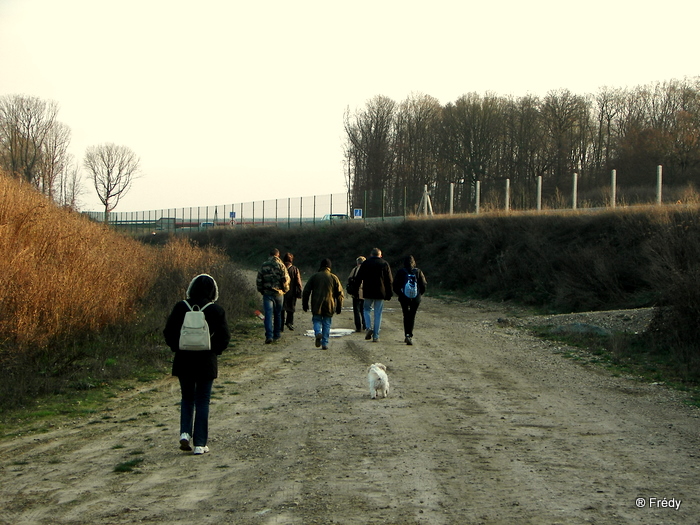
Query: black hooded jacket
x,y
200,364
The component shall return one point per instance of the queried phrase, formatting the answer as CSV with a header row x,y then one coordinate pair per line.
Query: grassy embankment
x,y
554,262
83,308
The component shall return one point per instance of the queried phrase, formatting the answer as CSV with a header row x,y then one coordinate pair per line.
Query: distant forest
x,y
393,150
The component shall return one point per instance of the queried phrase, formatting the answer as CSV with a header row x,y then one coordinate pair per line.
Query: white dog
x,y
378,380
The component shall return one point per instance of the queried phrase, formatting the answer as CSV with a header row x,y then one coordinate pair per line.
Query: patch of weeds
x,y
136,452
222,466
624,354
128,466
55,461
20,462
117,447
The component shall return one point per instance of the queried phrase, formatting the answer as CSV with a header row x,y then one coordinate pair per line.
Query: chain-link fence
x,y
396,204
288,213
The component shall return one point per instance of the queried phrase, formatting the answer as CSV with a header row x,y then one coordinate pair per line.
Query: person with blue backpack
x,y
409,285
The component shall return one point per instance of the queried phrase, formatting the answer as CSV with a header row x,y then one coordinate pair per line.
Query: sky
x,y
228,101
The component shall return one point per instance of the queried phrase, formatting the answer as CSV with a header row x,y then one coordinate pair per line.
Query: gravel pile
x,y
629,321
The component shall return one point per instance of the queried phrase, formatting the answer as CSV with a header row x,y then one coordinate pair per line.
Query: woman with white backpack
x,y
198,333
409,285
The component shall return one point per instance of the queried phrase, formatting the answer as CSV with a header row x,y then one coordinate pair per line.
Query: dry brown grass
x,y
81,304
61,274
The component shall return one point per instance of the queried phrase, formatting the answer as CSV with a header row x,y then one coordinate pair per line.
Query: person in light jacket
x,y
197,369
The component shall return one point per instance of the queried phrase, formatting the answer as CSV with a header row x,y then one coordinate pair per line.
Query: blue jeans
x,y
322,325
194,407
378,305
272,309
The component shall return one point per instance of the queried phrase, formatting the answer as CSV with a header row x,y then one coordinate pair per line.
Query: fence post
x,y
659,183
477,196
507,206
452,197
383,203
405,201
539,193
574,196
365,208
613,189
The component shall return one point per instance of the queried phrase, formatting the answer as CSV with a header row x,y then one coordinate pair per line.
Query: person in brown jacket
x,y
294,293
325,292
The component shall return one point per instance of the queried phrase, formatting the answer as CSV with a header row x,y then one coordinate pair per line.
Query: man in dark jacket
x,y
375,278
197,369
326,294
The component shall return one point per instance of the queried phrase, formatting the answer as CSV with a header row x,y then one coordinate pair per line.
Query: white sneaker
x,y
185,439
201,450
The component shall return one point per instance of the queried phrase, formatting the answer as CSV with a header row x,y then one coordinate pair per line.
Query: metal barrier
x,y
288,213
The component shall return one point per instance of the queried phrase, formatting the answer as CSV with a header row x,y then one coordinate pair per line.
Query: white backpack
x,y
194,334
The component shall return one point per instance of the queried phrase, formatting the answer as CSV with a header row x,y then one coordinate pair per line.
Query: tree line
x,y
34,148
393,150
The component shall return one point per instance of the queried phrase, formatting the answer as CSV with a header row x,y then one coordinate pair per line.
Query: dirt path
x,y
484,424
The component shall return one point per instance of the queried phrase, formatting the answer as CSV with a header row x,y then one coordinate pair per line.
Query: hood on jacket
x,y
203,287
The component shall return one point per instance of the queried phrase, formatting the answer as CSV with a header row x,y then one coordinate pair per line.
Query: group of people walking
x,y
370,284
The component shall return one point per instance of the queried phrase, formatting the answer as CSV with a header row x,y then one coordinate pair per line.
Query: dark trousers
x,y
357,308
194,409
409,308
287,318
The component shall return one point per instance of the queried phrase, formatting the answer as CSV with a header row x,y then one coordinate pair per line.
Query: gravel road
x,y
484,424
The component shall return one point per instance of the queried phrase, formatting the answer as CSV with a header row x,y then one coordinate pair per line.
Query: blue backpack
x,y
410,289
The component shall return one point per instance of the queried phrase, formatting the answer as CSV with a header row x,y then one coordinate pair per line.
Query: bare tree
x,y
25,124
112,169
69,185
369,149
54,160
415,146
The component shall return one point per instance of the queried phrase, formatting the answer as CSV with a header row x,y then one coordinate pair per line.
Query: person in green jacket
x,y
325,292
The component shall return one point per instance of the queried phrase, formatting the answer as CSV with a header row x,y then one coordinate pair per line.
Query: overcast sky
x,y
229,101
